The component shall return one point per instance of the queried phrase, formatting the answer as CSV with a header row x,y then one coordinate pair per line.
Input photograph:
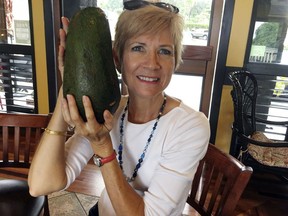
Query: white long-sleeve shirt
x,y
166,174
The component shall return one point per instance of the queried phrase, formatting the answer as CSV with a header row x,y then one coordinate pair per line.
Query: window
x,y
270,38
270,43
183,86
196,14
268,60
16,58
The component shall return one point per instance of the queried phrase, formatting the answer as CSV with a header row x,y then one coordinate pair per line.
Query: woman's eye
x,y
137,48
165,51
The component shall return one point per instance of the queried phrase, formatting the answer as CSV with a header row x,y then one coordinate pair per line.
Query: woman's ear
x,y
116,61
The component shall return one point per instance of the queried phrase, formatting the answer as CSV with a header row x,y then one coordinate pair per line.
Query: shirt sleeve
x,y
78,152
185,145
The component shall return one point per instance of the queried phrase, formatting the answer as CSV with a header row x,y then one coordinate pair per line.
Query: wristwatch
x,y
99,161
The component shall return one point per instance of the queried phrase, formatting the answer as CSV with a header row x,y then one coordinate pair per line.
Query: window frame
x,y
23,50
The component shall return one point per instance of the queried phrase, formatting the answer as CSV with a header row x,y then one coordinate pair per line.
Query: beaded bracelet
x,y
52,132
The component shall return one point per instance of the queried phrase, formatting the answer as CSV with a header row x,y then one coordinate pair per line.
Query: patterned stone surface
x,y
70,204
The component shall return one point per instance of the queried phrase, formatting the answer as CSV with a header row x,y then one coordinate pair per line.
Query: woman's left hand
x,y
91,129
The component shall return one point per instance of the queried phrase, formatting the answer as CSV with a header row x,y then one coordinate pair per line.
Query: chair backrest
x,y
20,134
244,95
218,183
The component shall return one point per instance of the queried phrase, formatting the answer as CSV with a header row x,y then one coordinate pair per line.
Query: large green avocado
x,y
89,67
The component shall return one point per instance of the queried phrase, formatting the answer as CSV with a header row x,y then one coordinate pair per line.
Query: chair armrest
x,y
264,144
280,123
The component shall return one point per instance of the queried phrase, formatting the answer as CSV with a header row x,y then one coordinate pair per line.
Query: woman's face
x,y
148,63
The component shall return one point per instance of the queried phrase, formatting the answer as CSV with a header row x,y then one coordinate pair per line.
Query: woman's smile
x,y
148,79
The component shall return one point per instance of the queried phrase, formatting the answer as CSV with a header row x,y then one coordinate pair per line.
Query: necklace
x,y
120,148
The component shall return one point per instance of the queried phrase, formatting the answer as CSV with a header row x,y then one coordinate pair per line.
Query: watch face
x,y
97,161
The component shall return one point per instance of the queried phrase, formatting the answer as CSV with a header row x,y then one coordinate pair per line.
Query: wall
x,y
235,58
40,56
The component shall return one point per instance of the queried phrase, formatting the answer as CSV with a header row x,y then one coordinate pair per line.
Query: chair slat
x,y
208,171
16,144
38,133
227,189
27,145
215,192
197,181
5,143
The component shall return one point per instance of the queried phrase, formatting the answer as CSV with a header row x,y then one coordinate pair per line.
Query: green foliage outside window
x,y
195,12
266,35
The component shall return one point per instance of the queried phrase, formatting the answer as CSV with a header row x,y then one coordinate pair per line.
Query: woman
x,y
157,138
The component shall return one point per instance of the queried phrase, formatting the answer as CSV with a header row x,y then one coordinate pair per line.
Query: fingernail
x,y
69,96
84,98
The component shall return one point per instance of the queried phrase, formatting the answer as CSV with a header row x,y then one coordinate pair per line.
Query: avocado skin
x,y
89,67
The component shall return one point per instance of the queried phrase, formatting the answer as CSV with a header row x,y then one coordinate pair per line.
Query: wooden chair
x,y
218,183
20,134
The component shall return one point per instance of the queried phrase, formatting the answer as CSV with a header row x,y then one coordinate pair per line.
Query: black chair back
x,y
244,96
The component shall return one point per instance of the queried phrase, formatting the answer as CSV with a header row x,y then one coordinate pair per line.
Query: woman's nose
x,y
152,60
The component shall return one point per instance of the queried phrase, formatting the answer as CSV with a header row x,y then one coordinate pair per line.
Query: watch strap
x,y
106,159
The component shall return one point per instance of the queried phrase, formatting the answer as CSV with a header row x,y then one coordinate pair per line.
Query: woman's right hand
x,y
61,52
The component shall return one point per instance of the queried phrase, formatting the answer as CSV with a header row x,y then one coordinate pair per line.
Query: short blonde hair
x,y
148,20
